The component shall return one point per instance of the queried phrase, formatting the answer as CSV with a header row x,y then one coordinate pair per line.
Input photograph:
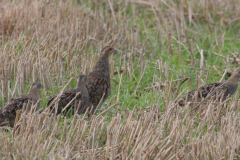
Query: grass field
x,y
161,44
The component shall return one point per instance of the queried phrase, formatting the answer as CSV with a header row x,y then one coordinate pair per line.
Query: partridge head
x,y
81,81
35,89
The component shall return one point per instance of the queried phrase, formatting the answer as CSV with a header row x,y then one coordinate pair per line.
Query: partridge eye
x,y
110,49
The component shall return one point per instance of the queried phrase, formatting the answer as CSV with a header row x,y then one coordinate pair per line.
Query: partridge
x,y
8,111
80,93
227,88
98,81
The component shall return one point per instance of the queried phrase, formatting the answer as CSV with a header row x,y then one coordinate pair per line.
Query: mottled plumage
x,y
227,88
8,111
203,92
98,81
68,95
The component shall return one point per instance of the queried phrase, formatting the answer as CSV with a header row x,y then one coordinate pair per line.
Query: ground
x,y
160,44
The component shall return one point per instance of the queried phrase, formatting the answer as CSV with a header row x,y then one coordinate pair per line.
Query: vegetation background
x,y
166,48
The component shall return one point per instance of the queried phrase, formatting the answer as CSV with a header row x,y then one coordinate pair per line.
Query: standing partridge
x,y
227,88
8,111
98,81
80,93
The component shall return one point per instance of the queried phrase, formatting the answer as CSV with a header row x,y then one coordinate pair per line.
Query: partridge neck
x,y
102,65
35,94
232,84
83,88
233,80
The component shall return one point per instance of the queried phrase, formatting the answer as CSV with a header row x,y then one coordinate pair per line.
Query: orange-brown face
x,y
109,50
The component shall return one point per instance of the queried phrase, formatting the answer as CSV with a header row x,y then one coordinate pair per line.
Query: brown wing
x,y
65,98
222,89
97,87
204,90
203,93
10,108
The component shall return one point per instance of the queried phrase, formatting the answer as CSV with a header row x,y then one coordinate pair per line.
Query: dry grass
x,y
137,134
160,43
